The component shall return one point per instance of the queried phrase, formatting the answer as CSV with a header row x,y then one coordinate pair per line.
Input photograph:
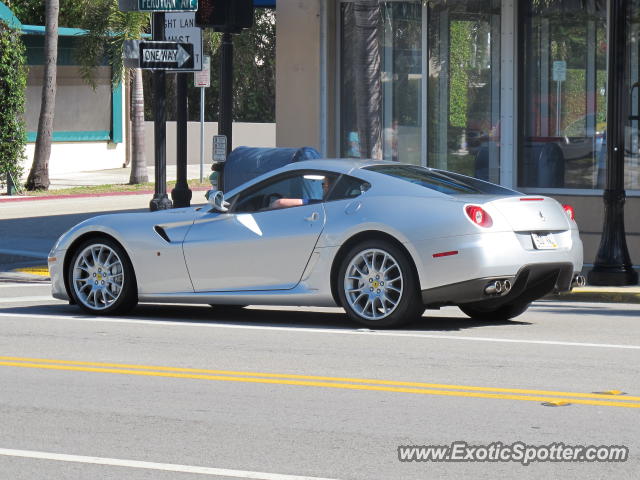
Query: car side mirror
x,y
216,200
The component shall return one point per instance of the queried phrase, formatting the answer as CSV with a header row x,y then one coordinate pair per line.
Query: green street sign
x,y
158,5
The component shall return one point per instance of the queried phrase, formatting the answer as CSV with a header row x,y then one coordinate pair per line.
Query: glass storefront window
x,y
464,87
563,94
382,109
381,69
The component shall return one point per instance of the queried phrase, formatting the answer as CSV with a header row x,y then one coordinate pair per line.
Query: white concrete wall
x,y
71,157
298,73
68,157
244,134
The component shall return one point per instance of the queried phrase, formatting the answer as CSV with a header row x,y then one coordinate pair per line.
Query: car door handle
x,y
313,217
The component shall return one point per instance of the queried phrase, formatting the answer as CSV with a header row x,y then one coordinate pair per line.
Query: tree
x,y
39,174
32,12
107,30
254,75
13,83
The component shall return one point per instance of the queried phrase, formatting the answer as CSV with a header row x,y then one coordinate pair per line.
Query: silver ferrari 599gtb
x,y
383,240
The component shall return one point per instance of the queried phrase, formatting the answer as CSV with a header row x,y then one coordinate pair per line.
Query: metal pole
x,y
201,133
226,94
181,195
160,199
613,265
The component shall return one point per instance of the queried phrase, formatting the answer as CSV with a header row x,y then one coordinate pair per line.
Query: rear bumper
x,y
530,283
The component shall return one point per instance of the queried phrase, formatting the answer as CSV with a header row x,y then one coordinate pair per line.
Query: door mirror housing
x,y
216,200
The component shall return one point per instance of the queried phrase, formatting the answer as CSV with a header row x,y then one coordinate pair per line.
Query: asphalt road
x,y
185,392
28,229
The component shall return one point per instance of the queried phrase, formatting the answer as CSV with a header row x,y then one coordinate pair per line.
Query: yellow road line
x,y
41,271
284,380
314,377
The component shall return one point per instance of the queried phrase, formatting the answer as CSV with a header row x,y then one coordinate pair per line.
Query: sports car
x,y
383,240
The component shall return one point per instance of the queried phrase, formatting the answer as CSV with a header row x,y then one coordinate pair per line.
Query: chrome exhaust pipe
x,y
506,286
578,281
493,288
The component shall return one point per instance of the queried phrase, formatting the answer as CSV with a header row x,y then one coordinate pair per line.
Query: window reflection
x,y
464,87
564,97
381,65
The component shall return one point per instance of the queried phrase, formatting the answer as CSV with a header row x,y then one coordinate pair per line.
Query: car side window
x,y
347,187
289,190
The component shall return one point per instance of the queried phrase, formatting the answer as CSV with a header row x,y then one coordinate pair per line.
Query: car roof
x,y
338,165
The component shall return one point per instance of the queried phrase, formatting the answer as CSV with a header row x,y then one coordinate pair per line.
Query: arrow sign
x,y
166,56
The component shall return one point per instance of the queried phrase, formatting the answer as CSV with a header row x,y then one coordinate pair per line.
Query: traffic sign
x,y
219,148
166,56
158,5
202,79
559,71
181,27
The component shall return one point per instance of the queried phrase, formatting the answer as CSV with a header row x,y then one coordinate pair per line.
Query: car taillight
x,y
570,211
479,216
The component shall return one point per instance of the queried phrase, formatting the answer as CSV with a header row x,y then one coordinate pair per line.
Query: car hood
x,y
127,225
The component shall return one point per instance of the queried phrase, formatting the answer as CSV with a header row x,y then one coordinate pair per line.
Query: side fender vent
x,y
160,231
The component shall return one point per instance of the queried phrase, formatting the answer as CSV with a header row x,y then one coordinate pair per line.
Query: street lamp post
x,y
613,264
160,200
225,125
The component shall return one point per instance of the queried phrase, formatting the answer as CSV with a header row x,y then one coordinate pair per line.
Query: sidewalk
x,y
630,294
116,176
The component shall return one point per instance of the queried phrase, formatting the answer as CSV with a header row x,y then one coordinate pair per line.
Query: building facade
x,y
509,91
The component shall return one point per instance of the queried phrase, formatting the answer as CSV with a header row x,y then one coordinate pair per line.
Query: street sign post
x,y
158,5
202,79
181,27
166,56
559,76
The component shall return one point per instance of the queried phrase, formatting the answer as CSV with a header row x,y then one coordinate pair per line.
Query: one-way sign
x,y
166,56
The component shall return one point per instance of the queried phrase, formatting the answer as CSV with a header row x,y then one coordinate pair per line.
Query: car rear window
x,y
441,181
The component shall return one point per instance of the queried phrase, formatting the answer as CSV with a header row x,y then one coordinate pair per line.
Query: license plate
x,y
544,241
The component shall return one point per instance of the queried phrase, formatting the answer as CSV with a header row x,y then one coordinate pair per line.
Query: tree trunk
x,y
39,174
138,158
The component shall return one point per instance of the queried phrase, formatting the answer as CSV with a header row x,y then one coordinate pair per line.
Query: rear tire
x,y
101,278
506,312
377,286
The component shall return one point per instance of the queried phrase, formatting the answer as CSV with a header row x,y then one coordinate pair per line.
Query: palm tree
x,y
39,174
107,30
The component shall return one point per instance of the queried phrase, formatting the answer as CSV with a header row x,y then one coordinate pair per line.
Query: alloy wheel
x,y
373,284
98,276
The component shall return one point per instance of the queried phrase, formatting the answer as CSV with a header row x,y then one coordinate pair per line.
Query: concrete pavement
x,y
117,176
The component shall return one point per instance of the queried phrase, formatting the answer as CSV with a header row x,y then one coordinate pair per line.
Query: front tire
x,y
506,312
101,278
377,285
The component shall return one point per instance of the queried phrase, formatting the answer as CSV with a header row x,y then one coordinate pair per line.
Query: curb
x,y
18,277
26,198
590,294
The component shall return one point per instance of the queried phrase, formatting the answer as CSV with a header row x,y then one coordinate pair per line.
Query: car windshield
x,y
445,182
